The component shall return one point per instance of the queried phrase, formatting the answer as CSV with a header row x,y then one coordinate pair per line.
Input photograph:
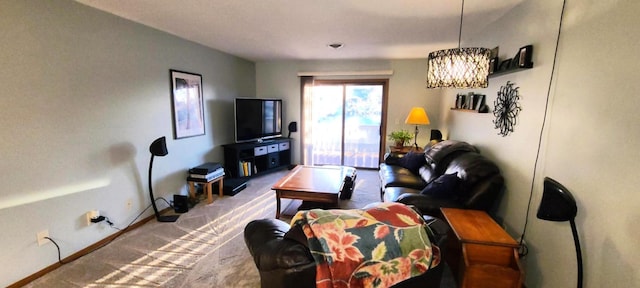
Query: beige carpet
x,y
204,248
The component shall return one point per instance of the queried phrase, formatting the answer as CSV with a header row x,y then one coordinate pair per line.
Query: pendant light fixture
x,y
458,68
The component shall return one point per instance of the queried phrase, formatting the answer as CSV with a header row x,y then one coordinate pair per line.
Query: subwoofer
x,y
181,203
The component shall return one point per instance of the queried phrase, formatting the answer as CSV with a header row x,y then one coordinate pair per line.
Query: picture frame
x,y
525,55
493,62
515,61
504,65
494,52
187,104
493,65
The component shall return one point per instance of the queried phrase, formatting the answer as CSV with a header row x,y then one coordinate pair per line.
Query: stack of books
x,y
246,168
207,171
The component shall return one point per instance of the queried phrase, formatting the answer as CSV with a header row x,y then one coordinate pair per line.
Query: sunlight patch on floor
x,y
161,265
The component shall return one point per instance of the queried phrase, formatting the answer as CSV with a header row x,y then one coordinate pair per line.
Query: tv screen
x,y
257,119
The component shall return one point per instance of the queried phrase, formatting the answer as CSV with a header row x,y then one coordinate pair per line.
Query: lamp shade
x,y
417,116
557,203
159,147
458,68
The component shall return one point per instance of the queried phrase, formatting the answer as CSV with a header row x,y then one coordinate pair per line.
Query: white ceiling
x,y
261,30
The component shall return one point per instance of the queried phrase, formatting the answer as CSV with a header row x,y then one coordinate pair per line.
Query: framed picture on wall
x,y
187,100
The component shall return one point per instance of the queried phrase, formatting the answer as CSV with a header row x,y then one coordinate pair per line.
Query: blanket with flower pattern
x,y
376,247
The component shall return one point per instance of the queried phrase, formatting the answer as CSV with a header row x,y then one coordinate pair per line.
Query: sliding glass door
x,y
342,121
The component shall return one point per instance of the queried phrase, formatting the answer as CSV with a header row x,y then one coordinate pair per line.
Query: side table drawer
x,y
491,266
284,146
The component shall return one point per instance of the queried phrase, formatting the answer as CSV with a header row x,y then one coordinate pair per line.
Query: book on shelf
x,y
470,100
245,168
205,168
479,102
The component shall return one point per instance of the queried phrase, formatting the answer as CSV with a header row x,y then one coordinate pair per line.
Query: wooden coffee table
x,y
310,183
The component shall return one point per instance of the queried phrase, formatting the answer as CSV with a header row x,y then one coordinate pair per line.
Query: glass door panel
x,y
363,117
327,116
344,128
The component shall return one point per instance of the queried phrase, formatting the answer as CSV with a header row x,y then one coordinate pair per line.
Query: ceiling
x,y
262,30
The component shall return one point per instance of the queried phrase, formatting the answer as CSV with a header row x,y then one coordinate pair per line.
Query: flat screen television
x,y
257,119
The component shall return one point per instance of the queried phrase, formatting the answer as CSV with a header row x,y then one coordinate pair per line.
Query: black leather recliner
x,y
283,259
481,181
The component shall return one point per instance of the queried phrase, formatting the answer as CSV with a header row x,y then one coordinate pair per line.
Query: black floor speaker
x,y
181,203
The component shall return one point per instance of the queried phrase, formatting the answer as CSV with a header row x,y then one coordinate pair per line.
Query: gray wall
x,y
84,93
406,90
588,144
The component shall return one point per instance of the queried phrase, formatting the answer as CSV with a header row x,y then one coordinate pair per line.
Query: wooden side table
x,y
404,149
207,187
481,254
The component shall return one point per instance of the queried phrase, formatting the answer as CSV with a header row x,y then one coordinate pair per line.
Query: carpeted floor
x,y
204,248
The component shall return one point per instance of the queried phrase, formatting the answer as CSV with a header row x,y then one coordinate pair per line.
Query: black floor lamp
x,y
557,204
158,148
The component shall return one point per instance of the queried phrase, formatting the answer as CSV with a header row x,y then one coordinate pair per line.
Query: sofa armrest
x,y
392,158
428,205
270,250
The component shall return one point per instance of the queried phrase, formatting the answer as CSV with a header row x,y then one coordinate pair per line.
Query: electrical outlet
x,y
92,215
41,237
129,204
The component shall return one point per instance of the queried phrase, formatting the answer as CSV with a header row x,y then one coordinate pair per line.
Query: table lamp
x,y
417,116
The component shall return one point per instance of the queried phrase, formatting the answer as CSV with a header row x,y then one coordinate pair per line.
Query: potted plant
x,y
400,137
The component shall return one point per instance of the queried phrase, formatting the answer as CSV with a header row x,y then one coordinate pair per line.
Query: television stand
x,y
254,158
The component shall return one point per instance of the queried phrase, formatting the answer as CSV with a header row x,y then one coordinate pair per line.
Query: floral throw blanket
x,y
376,247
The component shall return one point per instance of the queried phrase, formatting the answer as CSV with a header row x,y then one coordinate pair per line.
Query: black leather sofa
x,y
413,178
283,259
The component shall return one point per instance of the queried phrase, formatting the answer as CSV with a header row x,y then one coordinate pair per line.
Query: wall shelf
x,y
521,61
468,110
508,71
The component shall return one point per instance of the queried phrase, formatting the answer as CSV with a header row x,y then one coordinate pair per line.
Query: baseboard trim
x,y
83,252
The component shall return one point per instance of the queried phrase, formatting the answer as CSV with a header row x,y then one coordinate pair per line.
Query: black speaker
x,y
293,127
557,203
180,203
436,135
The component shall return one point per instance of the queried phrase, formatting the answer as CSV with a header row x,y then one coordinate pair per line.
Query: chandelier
x,y
459,67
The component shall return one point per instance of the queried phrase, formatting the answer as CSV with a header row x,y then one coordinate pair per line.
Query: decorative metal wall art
x,y
506,109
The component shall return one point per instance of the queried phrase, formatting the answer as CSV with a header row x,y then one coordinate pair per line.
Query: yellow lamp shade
x,y
417,116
